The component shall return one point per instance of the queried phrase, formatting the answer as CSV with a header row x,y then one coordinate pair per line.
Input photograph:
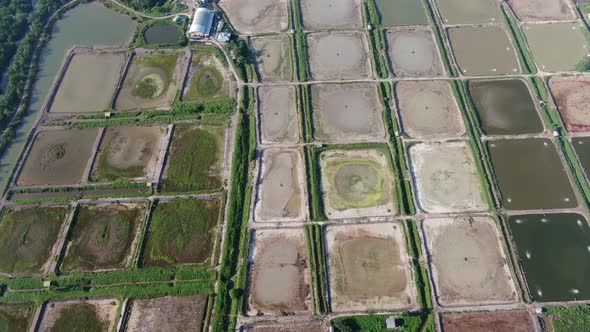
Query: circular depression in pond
x,y
359,183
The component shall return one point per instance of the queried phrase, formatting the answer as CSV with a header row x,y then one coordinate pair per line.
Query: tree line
x,y
14,16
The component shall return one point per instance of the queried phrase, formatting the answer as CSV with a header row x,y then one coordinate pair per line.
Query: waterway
x,y
89,24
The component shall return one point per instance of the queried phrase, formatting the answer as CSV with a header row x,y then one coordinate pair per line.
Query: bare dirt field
x,y
428,110
313,326
149,82
103,237
58,157
413,52
16,317
89,83
273,58
541,10
345,113
467,262
321,14
168,314
357,183
280,195
572,96
279,275
494,321
257,16
128,153
338,55
87,315
369,268
446,178
279,120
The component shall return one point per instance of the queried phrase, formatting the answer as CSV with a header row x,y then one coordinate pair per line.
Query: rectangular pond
x,y
554,252
530,174
401,12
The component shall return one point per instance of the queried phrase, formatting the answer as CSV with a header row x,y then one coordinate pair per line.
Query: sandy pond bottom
x,y
58,157
413,52
279,275
428,110
530,174
572,96
557,46
277,107
319,14
496,321
87,315
468,264
257,16
89,83
280,193
483,50
369,268
338,55
505,107
357,183
272,58
128,153
347,113
446,178
541,10
553,251
168,314
469,12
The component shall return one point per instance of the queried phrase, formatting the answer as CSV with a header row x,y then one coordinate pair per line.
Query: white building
x,y
202,23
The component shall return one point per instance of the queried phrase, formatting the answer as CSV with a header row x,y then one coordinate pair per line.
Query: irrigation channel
x,y
83,25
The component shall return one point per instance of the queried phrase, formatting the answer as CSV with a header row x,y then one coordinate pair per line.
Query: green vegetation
x,y
13,26
154,7
319,276
193,163
27,236
182,231
230,293
301,56
440,39
376,39
526,59
375,323
145,29
147,88
575,318
16,317
206,83
316,203
403,187
422,281
79,317
242,59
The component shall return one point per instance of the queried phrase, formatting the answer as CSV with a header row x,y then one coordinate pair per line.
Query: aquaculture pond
x,y
530,174
401,12
162,33
554,252
83,25
505,107
582,148
469,12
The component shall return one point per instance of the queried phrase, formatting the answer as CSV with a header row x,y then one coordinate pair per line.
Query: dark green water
x,y
554,252
582,147
530,174
505,107
401,12
162,34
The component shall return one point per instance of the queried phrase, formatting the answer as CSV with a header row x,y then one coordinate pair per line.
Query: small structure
x,y
202,23
390,323
223,37
46,283
179,19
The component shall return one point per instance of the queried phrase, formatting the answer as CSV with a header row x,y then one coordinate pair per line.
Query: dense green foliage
x,y
206,83
242,59
526,59
317,263
13,25
440,40
375,323
316,203
154,7
193,164
422,281
376,39
575,318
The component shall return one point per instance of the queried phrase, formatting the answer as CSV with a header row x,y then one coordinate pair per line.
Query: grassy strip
x,y
403,186
422,281
316,204
574,318
301,55
526,59
440,39
551,116
315,248
148,290
304,100
229,294
482,159
296,18
412,322
376,39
